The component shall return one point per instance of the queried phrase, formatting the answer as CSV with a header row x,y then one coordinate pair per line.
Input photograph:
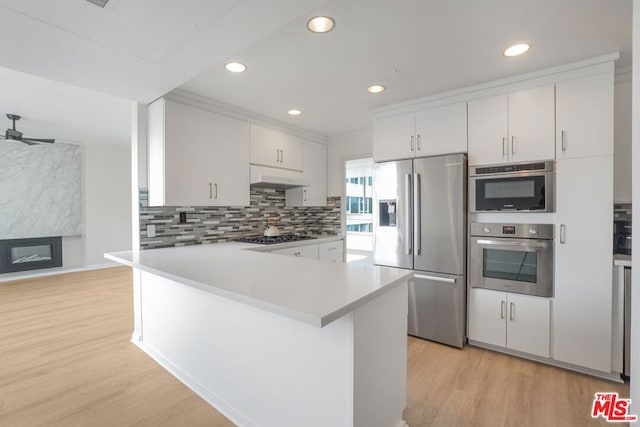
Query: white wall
x,y
622,139
343,147
635,296
106,200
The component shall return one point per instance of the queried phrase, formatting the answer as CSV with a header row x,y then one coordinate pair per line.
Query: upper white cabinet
x,y
430,132
196,157
270,147
584,113
516,127
442,130
315,172
582,304
394,137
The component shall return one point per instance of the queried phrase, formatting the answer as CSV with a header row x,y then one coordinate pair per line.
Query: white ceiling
x,y
413,47
141,49
67,113
135,49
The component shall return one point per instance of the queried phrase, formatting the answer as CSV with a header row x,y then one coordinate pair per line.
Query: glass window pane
x,y
520,266
22,254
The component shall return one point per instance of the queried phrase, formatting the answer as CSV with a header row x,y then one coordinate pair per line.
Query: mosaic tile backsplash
x,y
211,224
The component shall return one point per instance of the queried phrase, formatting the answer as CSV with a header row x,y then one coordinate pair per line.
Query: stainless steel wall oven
x,y
512,257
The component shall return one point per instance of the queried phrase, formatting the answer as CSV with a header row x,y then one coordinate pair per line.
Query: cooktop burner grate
x,y
262,240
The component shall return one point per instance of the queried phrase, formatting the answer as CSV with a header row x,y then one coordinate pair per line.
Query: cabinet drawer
x,y
331,250
309,251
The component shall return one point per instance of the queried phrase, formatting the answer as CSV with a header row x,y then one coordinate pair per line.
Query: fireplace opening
x,y
30,254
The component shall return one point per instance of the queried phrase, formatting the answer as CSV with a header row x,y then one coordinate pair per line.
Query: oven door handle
x,y
528,244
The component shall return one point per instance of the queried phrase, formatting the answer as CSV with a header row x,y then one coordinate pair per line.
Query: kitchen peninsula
x,y
266,348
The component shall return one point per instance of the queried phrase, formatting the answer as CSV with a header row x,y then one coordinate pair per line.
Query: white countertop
x,y
307,290
622,260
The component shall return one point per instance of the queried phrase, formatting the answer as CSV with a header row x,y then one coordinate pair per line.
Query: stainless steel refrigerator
x,y
420,224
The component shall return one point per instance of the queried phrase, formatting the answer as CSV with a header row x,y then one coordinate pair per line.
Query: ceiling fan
x,y
13,135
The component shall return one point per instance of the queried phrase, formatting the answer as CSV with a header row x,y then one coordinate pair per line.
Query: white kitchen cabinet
x,y
196,157
270,147
442,130
487,322
516,127
488,130
513,321
430,132
315,172
331,251
584,114
582,303
308,251
528,324
394,137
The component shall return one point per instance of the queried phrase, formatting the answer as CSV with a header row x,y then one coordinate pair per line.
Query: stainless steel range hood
x,y
263,176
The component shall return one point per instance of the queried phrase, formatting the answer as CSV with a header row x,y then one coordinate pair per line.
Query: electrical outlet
x,y
151,230
183,217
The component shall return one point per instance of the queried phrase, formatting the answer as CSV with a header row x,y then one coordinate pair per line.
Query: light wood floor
x,y
66,360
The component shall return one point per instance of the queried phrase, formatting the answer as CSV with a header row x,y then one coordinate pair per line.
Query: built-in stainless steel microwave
x,y
519,187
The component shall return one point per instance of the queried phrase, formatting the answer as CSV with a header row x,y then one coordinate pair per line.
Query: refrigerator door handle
x,y
407,213
435,278
417,230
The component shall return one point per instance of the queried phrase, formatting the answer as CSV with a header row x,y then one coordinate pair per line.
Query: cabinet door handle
x,y
281,155
504,146
296,254
419,139
563,233
511,315
304,199
210,191
216,185
277,155
563,138
412,137
513,145
502,304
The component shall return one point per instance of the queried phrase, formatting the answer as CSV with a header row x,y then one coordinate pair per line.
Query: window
x,y
359,204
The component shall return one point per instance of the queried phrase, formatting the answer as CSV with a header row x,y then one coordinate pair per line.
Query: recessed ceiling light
x,y
235,67
376,89
321,24
516,49
294,112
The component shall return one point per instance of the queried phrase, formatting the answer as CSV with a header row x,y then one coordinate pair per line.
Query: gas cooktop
x,y
262,240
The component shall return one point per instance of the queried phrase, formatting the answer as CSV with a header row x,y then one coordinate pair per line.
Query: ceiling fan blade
x,y
47,140
28,142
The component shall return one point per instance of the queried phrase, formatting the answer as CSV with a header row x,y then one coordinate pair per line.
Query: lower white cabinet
x,y
331,251
514,321
328,251
308,251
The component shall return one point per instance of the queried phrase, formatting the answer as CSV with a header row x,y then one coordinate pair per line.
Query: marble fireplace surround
x,y
40,190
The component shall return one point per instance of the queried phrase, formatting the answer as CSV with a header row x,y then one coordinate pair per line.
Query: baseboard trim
x,y
32,274
615,377
211,398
